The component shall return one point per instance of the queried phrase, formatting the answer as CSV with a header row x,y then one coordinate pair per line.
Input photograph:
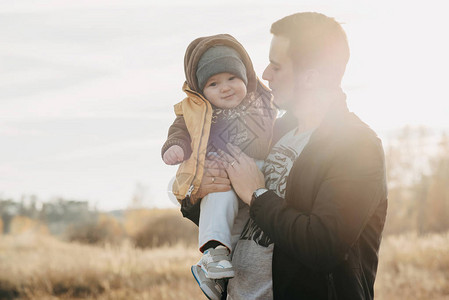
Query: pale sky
x,y
87,87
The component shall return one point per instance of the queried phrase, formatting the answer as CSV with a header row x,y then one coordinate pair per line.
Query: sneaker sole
x,y
219,275
204,288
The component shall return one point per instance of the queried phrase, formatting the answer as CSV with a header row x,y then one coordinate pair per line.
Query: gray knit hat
x,y
219,59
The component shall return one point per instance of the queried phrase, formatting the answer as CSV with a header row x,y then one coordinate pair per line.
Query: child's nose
x,y
225,87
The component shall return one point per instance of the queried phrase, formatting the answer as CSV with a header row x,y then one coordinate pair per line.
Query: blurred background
x,y
87,90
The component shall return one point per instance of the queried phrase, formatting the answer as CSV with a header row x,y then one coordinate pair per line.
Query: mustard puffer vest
x,y
197,112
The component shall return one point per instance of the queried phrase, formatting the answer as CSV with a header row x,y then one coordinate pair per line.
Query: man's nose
x,y
266,75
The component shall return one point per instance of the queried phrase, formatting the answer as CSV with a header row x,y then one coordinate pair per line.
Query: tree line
x,y
417,162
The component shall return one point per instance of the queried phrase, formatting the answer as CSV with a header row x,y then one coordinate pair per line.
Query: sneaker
x,y
213,289
216,263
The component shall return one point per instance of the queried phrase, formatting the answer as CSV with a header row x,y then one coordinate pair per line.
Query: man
x,y
318,210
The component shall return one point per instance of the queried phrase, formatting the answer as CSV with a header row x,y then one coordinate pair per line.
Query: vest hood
x,y
197,48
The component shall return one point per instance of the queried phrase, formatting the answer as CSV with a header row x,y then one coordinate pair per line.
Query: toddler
x,y
225,103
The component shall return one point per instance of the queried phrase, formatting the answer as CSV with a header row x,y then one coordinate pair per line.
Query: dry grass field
x,y
413,267
37,266
42,267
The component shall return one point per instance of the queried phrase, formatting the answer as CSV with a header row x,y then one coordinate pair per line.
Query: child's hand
x,y
173,155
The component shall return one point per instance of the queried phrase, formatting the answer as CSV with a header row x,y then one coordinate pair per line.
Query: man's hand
x,y
215,179
173,155
243,172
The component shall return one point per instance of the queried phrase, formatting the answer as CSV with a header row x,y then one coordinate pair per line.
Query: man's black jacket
x,y
327,231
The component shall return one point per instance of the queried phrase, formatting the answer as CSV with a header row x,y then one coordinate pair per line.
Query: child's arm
x,y
177,147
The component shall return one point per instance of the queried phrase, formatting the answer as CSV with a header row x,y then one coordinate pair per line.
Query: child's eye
x,y
212,84
232,78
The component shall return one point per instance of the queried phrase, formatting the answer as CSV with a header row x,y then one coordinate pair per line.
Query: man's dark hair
x,y
315,39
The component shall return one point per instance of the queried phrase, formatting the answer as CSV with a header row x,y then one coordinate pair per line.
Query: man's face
x,y
279,73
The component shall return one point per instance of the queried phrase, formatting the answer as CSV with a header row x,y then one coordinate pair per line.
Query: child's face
x,y
225,90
